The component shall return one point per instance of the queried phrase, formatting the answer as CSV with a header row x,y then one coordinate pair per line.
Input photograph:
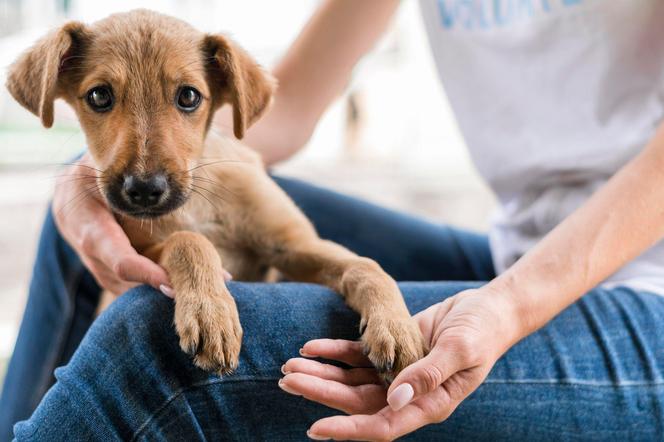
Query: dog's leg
x,y
391,338
206,317
280,234
266,221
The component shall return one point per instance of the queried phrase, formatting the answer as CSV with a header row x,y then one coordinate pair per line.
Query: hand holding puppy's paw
x,y
392,343
209,329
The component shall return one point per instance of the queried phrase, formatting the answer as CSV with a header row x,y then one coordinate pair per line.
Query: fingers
x,y
367,398
348,352
351,377
133,267
107,242
422,377
105,278
387,424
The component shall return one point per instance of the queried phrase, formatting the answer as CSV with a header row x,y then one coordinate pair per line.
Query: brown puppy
x,y
145,87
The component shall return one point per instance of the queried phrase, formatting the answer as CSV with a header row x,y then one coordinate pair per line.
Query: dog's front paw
x,y
209,330
392,343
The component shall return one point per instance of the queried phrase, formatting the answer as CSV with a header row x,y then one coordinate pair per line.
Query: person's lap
x,y
594,372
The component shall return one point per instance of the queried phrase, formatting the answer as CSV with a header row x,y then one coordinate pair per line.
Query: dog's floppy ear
x,y
33,79
241,81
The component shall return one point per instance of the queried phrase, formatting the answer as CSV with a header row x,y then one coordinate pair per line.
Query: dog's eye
x,y
100,98
188,99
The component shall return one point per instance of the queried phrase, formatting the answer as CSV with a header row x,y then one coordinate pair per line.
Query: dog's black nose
x,y
146,192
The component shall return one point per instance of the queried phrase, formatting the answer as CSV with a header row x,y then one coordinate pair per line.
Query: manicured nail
x,y
166,290
283,369
400,397
287,389
227,276
314,436
305,354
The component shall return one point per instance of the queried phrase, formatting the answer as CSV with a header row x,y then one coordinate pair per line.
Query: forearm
x,y
618,223
314,71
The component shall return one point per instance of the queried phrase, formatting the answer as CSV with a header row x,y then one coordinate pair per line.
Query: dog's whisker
x,y
224,200
215,162
66,175
84,193
193,189
88,194
101,179
205,171
220,187
80,180
79,165
216,184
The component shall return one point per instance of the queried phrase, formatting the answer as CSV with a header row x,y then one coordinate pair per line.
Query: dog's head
x,y
145,87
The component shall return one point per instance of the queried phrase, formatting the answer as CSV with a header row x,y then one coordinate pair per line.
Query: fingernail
x,y
287,389
305,354
314,436
166,290
227,276
283,369
400,397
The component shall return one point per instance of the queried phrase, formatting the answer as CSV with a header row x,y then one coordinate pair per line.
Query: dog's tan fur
x,y
234,213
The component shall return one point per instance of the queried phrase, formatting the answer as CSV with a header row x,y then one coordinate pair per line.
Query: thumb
x,y
114,249
422,377
137,268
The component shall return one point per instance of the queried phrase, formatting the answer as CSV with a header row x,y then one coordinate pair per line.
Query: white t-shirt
x,y
553,97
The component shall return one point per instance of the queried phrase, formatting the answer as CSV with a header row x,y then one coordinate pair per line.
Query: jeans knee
x,y
138,322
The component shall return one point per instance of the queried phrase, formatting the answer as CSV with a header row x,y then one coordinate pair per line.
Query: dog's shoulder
x,y
222,149
231,163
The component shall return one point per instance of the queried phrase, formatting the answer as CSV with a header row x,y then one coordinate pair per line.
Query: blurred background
x,y
398,146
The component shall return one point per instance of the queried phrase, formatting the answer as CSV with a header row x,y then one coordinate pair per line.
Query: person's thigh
x,y
63,295
61,304
407,247
129,380
594,373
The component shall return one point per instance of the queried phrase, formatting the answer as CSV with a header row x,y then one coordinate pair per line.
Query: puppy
x,y
145,88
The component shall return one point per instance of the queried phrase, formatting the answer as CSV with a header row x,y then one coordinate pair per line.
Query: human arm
x,y
470,331
313,72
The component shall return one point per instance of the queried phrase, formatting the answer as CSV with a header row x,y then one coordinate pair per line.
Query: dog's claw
x,y
363,326
386,367
392,344
212,335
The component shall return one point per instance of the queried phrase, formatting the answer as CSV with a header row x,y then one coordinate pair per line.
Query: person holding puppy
x,y
558,334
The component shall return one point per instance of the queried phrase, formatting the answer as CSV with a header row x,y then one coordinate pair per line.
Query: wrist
x,y
516,316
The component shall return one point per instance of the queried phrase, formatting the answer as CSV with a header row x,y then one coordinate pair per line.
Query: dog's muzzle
x,y
146,196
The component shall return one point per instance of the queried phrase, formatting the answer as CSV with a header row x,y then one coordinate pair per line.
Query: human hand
x,y
467,333
87,224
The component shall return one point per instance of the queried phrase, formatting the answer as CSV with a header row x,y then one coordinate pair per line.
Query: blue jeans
x,y
596,372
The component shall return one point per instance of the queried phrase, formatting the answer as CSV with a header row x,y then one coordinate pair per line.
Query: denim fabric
x,y
596,372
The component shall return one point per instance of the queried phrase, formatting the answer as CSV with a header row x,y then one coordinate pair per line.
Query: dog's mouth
x,y
149,196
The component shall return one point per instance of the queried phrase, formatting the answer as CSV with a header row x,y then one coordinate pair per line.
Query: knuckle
x,y
86,243
431,377
467,350
471,354
438,417
120,269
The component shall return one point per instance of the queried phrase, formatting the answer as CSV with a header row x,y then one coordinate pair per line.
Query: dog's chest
x,y
237,258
